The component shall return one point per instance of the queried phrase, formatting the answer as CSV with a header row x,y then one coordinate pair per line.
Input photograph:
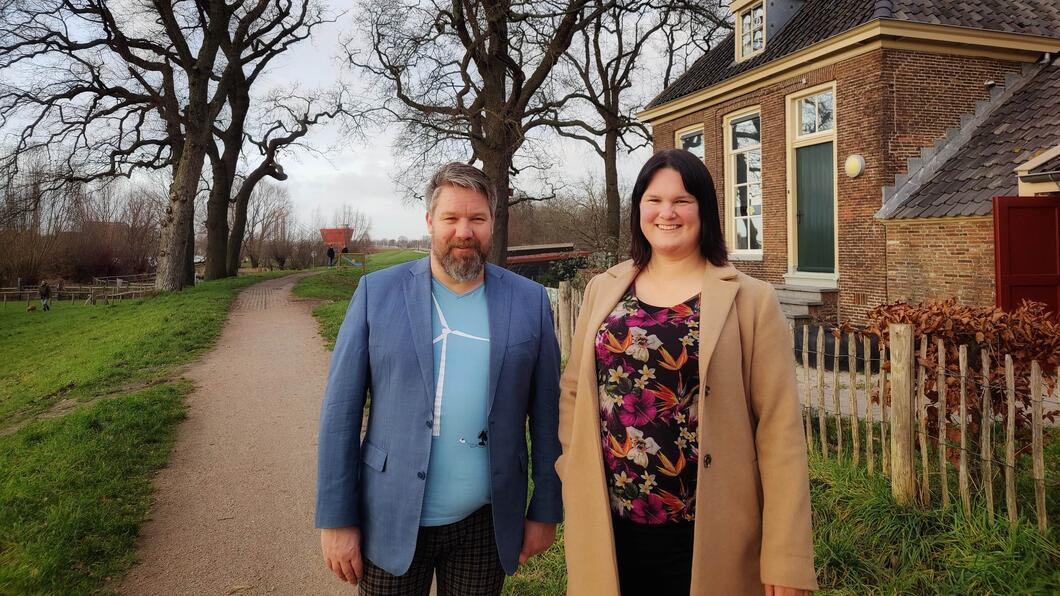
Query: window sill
x,y
745,256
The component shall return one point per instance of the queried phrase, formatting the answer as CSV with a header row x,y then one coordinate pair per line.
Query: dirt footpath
x,y
234,508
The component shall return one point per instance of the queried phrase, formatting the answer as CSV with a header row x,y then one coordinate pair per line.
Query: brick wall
x,y
942,258
889,104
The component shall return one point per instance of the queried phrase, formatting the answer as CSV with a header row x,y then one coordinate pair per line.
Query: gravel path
x,y
234,508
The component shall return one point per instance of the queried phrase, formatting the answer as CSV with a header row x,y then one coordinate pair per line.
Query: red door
x,y
1027,250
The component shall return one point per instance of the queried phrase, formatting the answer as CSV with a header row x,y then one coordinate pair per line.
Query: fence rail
x,y
963,434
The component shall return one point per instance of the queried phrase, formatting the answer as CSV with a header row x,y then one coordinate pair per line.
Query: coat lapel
x,y
499,306
418,303
609,295
719,292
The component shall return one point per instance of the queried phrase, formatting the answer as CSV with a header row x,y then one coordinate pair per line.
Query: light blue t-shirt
x,y
459,471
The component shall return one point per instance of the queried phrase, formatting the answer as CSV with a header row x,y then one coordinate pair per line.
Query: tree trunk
x,y
235,240
614,204
217,222
497,167
177,219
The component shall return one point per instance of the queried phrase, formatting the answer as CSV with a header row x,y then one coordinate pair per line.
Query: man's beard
x,y
467,268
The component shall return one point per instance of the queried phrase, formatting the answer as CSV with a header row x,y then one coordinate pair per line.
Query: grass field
x,y
864,542
89,400
337,285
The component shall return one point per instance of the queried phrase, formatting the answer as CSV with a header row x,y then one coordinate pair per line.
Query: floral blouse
x,y
647,368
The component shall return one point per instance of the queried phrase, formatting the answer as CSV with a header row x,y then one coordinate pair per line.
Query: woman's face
x,y
669,215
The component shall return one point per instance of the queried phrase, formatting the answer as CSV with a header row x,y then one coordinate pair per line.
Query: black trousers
x,y
653,560
463,554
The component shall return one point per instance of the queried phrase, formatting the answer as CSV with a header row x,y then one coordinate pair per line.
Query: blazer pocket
x,y
373,457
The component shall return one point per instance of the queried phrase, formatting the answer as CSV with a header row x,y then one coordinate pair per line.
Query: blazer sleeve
x,y
339,443
546,504
787,541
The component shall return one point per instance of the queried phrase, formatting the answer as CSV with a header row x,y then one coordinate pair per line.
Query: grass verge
x,y
336,285
75,488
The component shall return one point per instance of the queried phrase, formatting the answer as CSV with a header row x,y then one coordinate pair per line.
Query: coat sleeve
x,y
569,381
339,443
787,542
546,504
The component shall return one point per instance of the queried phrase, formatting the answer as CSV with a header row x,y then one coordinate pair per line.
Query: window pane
x,y
759,15
741,168
754,166
758,41
741,201
746,22
754,199
825,112
693,143
756,233
741,234
807,116
746,133
746,43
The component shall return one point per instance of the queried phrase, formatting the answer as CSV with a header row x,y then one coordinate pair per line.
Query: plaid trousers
x,y
463,554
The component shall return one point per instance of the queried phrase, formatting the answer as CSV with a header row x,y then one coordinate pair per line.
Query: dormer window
x,y
750,31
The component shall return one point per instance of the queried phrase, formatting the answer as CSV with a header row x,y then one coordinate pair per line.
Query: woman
x,y
684,465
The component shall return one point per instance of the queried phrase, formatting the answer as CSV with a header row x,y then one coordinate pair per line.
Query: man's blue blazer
x,y
385,346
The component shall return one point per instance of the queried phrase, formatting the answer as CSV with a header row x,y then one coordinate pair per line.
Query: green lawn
x,y
337,285
75,484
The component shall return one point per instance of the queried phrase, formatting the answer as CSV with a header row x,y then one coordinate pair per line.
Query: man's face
x,y
461,229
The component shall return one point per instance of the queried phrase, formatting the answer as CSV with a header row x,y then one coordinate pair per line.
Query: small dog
x,y
31,307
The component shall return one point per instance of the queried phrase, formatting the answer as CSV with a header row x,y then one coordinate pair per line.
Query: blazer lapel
x,y
418,303
499,306
719,292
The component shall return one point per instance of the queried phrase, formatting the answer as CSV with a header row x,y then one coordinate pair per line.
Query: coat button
x,y
706,390
706,460
420,475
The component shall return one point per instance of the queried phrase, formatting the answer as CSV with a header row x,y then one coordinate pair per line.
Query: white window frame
x,y
749,11
736,253
683,132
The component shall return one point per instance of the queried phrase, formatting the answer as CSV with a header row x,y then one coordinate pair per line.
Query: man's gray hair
x,y
462,175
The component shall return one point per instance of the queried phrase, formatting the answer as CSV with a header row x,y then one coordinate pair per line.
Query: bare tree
x,y
468,77
270,204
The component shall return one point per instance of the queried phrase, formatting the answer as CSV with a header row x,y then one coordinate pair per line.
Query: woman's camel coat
x,y
752,498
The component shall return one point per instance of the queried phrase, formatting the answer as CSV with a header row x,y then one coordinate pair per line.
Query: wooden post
x,y
835,396
903,475
852,368
941,380
870,452
962,472
1037,445
1010,441
921,408
986,431
822,422
564,318
885,452
806,383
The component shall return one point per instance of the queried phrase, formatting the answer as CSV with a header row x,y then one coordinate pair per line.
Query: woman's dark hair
x,y
699,184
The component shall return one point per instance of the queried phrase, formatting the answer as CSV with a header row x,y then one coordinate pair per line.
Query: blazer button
x,y
420,475
430,424
706,460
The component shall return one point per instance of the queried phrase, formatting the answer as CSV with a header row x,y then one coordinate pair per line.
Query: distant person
x,y
458,355
345,249
331,256
45,295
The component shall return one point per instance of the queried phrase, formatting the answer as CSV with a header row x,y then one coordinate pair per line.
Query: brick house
x,y
836,131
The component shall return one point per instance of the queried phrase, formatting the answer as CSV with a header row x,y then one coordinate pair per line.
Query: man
x,y
45,296
331,256
457,355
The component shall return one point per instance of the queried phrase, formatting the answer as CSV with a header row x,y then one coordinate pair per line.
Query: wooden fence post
x,y
962,472
806,383
921,409
986,430
564,318
1037,445
885,452
870,451
903,476
835,397
852,368
822,423
941,382
1010,441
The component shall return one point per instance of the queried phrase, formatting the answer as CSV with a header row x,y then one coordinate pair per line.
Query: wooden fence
x,y
910,428
566,304
122,287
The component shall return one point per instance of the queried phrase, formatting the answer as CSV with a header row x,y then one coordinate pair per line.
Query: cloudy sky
x,y
359,173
